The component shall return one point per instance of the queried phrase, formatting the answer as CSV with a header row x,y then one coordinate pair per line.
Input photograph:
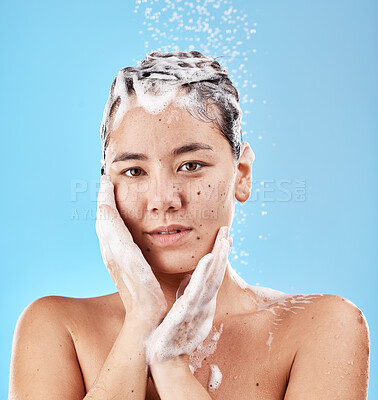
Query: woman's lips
x,y
169,239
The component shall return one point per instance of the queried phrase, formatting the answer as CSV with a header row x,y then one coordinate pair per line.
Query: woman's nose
x,y
163,196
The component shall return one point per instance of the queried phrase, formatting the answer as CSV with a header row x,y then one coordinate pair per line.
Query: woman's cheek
x,y
212,199
203,206
127,205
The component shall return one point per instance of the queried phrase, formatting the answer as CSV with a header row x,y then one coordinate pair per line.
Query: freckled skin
x,y
148,201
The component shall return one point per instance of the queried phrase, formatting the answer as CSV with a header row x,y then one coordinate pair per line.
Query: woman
x,y
182,324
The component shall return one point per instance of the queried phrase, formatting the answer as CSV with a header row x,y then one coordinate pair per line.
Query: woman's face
x,y
163,177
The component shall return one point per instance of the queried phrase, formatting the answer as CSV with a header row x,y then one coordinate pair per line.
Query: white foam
x,y
146,98
158,82
205,349
215,378
265,296
166,75
120,89
274,302
270,339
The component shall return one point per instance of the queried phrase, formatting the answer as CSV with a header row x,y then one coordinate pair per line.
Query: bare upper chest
x,y
250,354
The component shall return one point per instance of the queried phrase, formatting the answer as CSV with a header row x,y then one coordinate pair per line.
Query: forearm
x,y
174,380
124,373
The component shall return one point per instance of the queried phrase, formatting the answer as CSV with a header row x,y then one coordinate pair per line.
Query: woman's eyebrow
x,y
129,156
187,148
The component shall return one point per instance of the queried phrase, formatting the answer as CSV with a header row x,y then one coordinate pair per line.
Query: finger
x,y
216,276
117,276
106,192
115,238
183,285
123,277
205,267
223,245
104,253
222,234
111,225
126,253
200,271
205,262
194,287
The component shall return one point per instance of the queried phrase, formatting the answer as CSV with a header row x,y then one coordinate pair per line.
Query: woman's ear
x,y
243,182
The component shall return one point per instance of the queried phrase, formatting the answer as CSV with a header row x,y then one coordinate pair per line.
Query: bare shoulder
x,y
44,361
55,308
337,322
319,312
50,312
62,311
332,347
316,316
335,311
313,310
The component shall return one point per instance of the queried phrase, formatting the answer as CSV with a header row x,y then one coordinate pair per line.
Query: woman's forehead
x,y
172,115
174,125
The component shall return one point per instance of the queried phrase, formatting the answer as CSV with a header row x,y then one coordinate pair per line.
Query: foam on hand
x,y
117,246
190,319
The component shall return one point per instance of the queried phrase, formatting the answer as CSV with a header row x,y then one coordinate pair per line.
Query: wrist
x,y
137,327
174,380
141,320
174,366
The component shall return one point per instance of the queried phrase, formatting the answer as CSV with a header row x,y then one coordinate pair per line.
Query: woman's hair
x,y
189,79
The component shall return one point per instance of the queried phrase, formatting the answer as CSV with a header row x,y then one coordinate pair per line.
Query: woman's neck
x,y
231,298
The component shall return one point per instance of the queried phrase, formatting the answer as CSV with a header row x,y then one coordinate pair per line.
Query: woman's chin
x,y
173,271
173,265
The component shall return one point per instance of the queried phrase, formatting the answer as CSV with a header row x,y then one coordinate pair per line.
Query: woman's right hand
x,y
140,291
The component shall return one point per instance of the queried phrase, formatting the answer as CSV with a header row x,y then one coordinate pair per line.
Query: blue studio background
x,y
306,72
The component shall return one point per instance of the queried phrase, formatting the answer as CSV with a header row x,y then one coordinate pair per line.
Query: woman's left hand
x,y
190,319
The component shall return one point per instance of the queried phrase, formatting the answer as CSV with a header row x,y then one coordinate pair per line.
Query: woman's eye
x,y
192,165
132,170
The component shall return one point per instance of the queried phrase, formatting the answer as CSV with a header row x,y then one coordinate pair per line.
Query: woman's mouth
x,y
169,238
